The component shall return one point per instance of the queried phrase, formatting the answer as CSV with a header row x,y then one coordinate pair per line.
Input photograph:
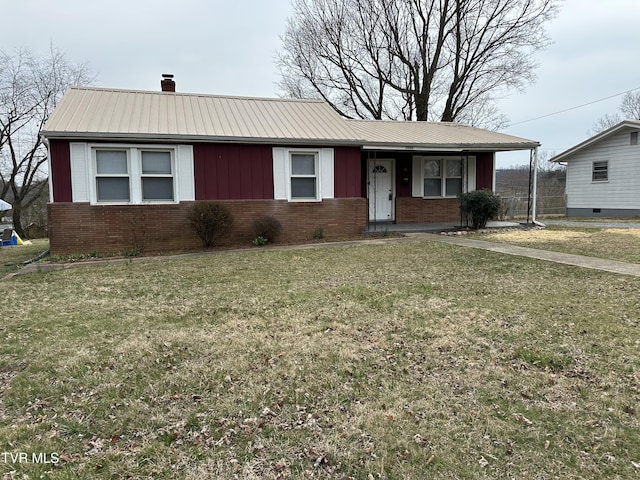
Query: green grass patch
x,y
410,360
12,257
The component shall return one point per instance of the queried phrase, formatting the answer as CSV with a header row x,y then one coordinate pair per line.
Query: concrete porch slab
x,y
386,227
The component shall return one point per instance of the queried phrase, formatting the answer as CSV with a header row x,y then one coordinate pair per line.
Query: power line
x,y
574,108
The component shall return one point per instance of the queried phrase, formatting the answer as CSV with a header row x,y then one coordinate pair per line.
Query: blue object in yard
x,y
8,237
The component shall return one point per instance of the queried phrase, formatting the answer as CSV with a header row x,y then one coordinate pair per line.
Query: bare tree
x,y
443,60
30,87
630,105
629,109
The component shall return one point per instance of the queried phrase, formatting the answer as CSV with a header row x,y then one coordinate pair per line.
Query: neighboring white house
x,y
603,173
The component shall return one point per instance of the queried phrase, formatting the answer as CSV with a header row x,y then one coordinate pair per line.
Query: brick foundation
x,y
85,228
420,210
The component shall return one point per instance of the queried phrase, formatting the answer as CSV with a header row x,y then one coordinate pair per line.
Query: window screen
x,y
112,176
111,162
303,175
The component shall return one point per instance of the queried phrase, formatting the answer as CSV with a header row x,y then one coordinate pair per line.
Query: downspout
x,y
464,160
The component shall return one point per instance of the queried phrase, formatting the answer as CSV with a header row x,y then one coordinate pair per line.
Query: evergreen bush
x,y
479,207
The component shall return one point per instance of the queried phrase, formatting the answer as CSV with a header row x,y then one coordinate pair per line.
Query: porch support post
x,y
535,184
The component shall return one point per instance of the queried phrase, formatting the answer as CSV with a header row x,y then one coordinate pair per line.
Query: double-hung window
x,y
304,176
134,175
600,171
156,175
442,177
112,176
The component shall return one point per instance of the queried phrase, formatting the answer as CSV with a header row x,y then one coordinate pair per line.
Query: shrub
x,y
210,220
268,228
479,207
260,241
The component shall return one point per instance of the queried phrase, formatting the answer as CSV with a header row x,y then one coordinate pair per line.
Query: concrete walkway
x,y
593,263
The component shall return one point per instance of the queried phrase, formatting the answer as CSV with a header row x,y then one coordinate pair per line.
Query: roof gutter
x,y
365,145
452,148
147,137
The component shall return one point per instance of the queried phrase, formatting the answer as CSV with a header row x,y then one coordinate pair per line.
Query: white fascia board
x,y
596,138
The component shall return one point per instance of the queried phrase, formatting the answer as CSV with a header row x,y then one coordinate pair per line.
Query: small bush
x,y
260,241
268,228
479,207
318,233
210,221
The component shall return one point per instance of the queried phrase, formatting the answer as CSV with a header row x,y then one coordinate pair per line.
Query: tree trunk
x,y
17,222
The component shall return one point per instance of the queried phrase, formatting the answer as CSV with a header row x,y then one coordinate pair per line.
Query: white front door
x,y
381,190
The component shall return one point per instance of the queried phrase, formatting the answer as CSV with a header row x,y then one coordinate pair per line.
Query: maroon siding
x,y
60,156
233,172
347,173
484,171
404,171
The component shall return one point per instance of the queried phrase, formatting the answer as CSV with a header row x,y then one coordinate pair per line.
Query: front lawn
x,y
621,244
409,360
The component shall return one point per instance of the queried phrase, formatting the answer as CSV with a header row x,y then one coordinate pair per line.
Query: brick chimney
x,y
167,84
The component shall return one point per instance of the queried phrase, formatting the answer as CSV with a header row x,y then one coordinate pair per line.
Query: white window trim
x,y
316,175
134,165
593,170
282,173
443,177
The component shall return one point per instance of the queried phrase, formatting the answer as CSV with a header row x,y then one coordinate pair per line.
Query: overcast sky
x,y
228,47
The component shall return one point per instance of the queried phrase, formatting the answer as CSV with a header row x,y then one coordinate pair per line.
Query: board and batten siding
x,y
621,191
60,171
233,172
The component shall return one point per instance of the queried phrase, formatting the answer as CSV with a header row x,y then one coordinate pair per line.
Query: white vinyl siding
x,y
621,190
303,174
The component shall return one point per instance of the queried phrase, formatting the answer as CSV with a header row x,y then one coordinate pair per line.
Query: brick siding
x,y
420,210
85,228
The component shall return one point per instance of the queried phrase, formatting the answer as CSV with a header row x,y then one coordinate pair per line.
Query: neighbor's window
x,y
633,139
304,176
112,176
600,171
157,176
442,177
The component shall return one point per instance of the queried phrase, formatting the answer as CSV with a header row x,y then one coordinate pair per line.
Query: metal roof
x,y
99,113
435,135
564,156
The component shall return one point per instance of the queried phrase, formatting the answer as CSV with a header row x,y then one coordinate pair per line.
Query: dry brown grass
x,y
411,360
621,244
